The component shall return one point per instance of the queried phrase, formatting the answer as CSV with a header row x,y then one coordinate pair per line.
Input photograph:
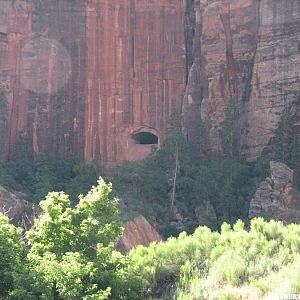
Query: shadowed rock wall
x,y
245,51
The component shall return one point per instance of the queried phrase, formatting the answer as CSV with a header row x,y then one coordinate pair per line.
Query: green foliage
x,y
11,254
285,145
37,175
226,179
70,252
230,131
72,249
228,265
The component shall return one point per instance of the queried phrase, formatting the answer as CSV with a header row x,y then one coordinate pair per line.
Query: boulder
x,y
137,232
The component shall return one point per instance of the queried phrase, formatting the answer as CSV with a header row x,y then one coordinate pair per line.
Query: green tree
x,y
285,145
72,252
12,251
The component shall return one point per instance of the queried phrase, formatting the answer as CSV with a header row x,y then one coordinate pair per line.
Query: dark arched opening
x,y
145,138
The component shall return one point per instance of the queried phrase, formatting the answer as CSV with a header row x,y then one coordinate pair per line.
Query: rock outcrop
x,y
137,232
12,206
89,76
275,198
275,80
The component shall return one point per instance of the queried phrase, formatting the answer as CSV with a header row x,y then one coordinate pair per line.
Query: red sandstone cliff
x,y
135,73
86,75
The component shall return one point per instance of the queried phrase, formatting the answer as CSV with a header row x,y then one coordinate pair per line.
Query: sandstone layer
x,y
275,197
246,52
85,75
88,75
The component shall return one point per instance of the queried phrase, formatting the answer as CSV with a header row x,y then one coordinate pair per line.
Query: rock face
x,y
247,52
100,78
137,232
275,198
275,78
12,206
86,76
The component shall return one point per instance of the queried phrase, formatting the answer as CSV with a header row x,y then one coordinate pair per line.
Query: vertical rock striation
x,y
226,34
245,51
84,75
275,78
42,69
88,75
135,73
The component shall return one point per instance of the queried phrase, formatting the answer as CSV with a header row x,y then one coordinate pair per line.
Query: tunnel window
x,y
145,138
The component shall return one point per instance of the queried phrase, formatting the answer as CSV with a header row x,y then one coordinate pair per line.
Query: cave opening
x,y
145,138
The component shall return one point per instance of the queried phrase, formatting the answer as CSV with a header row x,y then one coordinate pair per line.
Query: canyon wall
x,y
89,76
84,76
245,52
135,74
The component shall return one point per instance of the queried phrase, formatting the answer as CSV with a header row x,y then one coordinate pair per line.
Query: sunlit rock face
x,y
137,232
43,71
88,75
225,38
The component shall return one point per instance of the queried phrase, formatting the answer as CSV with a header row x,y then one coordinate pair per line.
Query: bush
x,y
236,260
37,175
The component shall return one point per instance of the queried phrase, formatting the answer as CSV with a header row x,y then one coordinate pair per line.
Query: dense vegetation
x,y
285,145
36,175
223,178
233,264
69,254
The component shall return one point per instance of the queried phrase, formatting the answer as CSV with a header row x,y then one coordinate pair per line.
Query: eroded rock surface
x,y
137,232
275,197
12,206
85,75
247,52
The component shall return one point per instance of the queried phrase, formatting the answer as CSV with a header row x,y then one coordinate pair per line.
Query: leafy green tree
x,y
72,252
12,251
